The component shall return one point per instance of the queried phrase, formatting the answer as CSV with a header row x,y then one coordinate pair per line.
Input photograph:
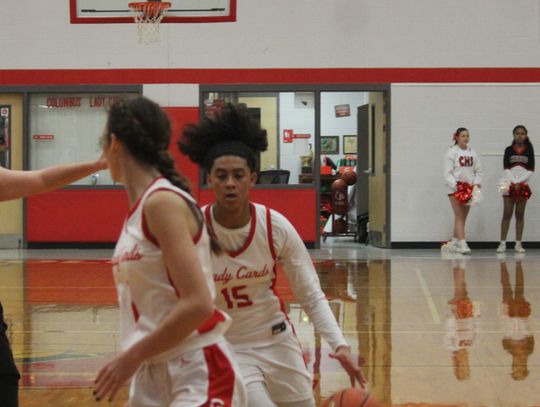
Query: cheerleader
x,y
171,332
255,239
518,168
462,172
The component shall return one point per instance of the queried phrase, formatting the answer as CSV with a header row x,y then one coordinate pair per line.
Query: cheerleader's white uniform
x,y
461,165
261,334
200,370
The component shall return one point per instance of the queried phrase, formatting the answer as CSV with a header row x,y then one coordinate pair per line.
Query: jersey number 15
x,y
235,298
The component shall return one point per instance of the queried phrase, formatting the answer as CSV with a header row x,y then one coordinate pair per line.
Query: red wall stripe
x,y
274,75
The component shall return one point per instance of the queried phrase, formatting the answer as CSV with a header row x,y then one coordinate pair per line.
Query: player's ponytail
x,y
165,166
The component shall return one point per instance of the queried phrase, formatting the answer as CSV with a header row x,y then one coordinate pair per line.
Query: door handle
x,y
369,171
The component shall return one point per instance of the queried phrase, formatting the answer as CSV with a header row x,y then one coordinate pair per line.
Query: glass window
x,y
289,119
66,128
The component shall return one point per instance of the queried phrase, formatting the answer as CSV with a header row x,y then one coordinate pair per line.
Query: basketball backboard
x,y
181,11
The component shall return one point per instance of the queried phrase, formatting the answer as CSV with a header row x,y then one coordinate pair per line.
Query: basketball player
x,y
255,239
18,184
462,164
171,332
518,168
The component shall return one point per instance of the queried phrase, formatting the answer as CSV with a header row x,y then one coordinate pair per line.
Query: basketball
x,y
349,177
339,185
352,397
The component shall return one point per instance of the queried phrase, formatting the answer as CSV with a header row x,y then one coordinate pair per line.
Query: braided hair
x,y
231,132
145,130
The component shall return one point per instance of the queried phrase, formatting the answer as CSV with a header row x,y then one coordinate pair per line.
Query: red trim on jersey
x,y
135,311
134,208
269,232
197,236
252,227
221,377
211,322
146,231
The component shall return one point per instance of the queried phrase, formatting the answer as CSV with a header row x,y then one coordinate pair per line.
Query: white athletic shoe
x,y
462,247
449,246
501,248
519,248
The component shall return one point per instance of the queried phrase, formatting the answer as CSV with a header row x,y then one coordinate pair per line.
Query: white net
x,y
148,16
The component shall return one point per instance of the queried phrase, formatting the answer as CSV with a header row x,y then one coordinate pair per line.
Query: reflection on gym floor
x,y
434,331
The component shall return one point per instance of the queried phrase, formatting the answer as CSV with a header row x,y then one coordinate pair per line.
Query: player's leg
x,y
286,374
206,377
258,395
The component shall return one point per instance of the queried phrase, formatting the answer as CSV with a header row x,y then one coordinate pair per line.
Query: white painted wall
x,y
340,34
424,118
302,121
281,33
340,126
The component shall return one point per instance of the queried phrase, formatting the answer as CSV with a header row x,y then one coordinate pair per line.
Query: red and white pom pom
x,y
520,191
504,186
476,196
463,192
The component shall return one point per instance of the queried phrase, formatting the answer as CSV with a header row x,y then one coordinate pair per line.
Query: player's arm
x,y
18,184
171,222
299,269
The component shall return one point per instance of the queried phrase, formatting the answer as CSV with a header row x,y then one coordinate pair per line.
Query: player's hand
x,y
343,355
101,163
114,374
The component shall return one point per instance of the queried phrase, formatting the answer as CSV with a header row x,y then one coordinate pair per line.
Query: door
x,y
11,154
363,169
378,179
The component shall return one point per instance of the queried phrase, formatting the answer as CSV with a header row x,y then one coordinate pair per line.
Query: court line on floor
x,y
427,294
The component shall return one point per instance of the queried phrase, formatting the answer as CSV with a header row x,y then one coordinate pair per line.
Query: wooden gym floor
x,y
435,330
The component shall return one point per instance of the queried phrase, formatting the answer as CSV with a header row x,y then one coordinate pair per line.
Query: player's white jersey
x,y
146,293
245,283
462,165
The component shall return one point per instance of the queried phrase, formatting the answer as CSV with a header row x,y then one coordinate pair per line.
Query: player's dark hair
x,y
231,132
145,130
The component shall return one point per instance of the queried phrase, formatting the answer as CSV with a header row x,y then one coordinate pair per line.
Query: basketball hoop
x,y
148,15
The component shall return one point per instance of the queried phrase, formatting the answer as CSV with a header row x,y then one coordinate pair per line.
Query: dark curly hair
x,y
145,130
231,132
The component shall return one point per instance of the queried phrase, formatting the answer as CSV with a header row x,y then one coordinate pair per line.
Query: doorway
x,y
11,156
354,137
